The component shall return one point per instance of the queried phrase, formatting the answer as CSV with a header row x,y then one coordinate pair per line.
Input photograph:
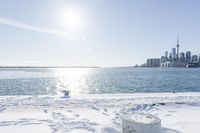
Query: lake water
x,y
51,81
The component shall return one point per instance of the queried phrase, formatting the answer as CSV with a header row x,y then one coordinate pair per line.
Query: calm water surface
x,y
42,81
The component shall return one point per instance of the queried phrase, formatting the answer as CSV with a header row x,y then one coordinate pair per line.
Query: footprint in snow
x,y
95,108
45,111
77,115
69,111
168,115
105,110
171,111
105,114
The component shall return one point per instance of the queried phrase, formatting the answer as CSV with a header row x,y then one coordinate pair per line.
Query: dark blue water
x,y
42,81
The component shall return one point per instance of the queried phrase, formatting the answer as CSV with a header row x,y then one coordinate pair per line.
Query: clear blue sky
x,y
112,32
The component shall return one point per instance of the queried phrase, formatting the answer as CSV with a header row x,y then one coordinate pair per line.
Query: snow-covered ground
x,y
101,113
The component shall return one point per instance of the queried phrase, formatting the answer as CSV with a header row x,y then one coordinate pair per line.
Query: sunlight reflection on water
x,y
73,79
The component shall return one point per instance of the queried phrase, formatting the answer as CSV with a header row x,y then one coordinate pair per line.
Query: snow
x,y
142,118
98,113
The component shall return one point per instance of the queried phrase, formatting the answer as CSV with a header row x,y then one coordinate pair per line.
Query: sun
x,y
71,19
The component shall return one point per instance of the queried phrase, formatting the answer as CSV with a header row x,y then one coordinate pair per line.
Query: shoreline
x,y
115,95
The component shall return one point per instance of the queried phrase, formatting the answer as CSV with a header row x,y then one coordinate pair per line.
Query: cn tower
x,y
177,47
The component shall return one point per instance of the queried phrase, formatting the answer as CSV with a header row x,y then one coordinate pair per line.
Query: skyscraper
x,y
194,59
173,53
182,57
188,57
166,54
177,46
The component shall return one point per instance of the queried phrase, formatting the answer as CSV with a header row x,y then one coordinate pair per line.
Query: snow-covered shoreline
x,y
97,112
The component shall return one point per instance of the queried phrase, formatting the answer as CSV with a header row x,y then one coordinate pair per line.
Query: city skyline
x,y
175,58
94,32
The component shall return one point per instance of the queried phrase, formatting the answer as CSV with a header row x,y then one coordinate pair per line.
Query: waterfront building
x,y
178,64
163,59
166,64
199,58
188,57
153,62
194,59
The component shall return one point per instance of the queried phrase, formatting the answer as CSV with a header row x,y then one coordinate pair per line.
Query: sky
x,y
105,33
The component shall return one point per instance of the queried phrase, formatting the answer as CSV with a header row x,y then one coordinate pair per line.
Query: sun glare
x,y
73,79
72,19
